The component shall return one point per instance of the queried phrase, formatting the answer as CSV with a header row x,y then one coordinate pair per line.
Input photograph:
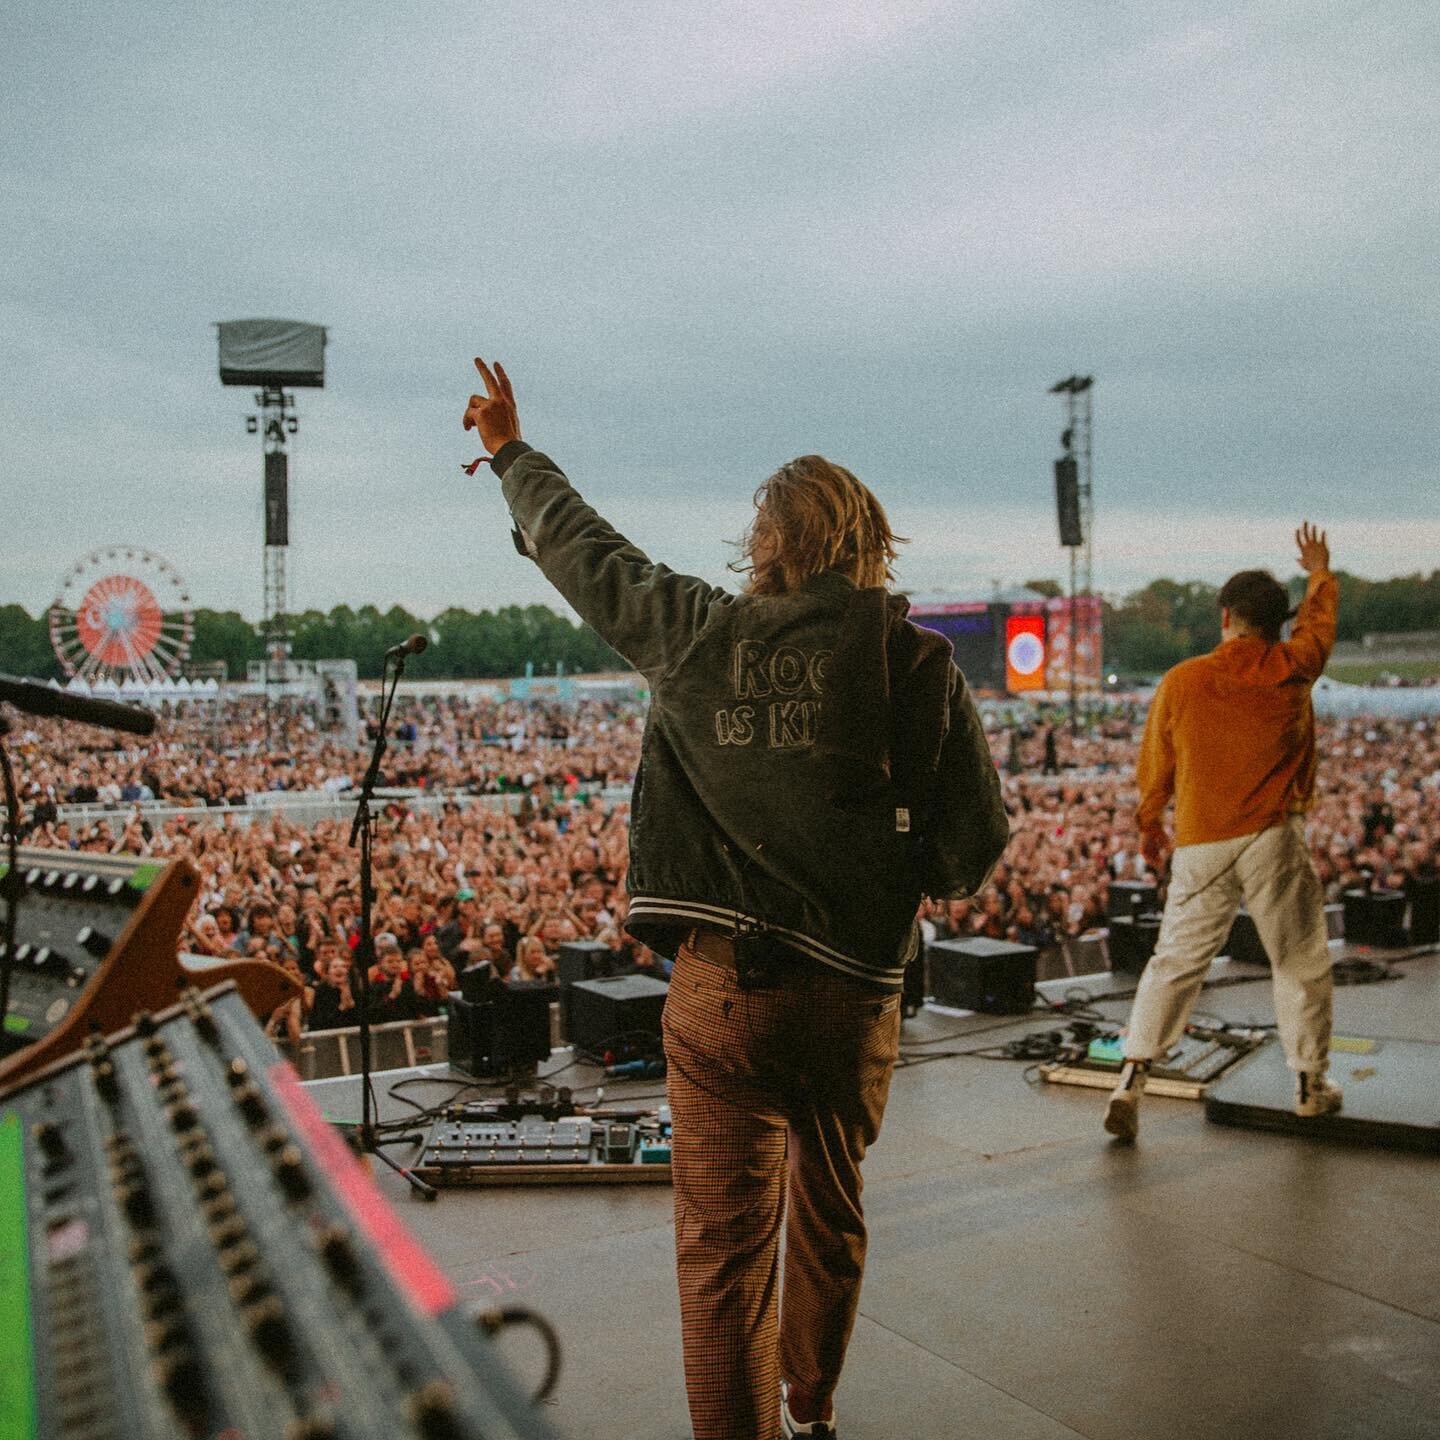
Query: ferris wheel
x,y
122,615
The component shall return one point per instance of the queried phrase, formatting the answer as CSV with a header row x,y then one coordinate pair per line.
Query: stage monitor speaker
x,y
1132,942
1357,915
1243,941
992,976
1131,897
508,1031
579,960
1067,500
619,1014
1387,919
1424,911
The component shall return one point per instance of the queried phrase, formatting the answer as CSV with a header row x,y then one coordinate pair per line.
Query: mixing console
x,y
96,940
72,910
188,1249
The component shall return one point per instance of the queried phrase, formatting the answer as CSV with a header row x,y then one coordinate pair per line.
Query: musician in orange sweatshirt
x,y
1231,737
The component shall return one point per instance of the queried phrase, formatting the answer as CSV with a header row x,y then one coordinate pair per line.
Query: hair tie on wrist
x,y
474,465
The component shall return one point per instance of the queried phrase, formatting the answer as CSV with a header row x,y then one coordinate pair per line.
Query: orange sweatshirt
x,y
1231,734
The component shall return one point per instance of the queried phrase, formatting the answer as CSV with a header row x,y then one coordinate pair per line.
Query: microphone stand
x,y
362,831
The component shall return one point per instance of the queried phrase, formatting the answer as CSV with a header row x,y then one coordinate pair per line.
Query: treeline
x,y
1146,632
462,645
1170,620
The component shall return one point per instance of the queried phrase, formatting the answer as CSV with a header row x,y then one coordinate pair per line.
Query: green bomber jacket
x,y
812,763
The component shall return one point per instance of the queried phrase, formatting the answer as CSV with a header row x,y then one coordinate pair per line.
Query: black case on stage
x,y
1131,897
1374,917
605,1010
579,960
1132,941
506,1029
993,976
1424,911
1243,942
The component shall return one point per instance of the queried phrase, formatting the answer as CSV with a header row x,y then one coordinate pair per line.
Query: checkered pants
x,y
773,1093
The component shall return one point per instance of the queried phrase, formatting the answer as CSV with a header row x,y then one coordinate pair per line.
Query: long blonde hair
x,y
811,516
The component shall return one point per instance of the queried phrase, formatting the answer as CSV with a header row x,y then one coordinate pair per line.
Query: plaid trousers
x,y
774,1093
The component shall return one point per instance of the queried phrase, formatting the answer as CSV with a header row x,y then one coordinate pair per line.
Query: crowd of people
x,y
470,882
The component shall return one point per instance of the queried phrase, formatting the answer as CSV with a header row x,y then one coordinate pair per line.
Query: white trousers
x,y
1271,872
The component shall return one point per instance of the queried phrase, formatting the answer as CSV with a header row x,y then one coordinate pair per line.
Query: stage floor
x,y
1028,1278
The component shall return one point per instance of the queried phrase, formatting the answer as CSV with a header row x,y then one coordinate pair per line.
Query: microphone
x,y
36,699
413,646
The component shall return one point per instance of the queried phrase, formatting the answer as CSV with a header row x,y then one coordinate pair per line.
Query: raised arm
x,y
1313,635
647,612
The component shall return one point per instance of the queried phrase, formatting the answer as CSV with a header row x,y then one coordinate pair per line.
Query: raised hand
x,y
1314,552
493,414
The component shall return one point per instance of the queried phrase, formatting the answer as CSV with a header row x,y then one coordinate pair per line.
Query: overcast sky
x,y
706,238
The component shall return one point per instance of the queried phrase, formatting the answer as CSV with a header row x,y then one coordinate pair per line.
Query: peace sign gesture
x,y
493,414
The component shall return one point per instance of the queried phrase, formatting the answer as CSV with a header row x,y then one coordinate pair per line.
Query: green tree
x,y
25,644
226,635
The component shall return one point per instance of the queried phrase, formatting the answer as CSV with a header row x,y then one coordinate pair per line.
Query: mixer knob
x,y
228,1232
138,1204
181,1377
217,1206
115,888
106,1082
214,1186
340,1257
432,1408
162,1303
247,1289
50,1140
90,884
144,1249
33,877
153,1274
290,1172
182,1115
93,941
51,880
169,1334
251,1103
22,954
71,882
203,1019
268,1327
239,1256
124,1167
50,962
201,1162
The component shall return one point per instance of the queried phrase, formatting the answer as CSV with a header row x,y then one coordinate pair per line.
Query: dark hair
x,y
1257,599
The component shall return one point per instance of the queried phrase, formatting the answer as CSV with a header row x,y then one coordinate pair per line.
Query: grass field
x,y
1366,672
